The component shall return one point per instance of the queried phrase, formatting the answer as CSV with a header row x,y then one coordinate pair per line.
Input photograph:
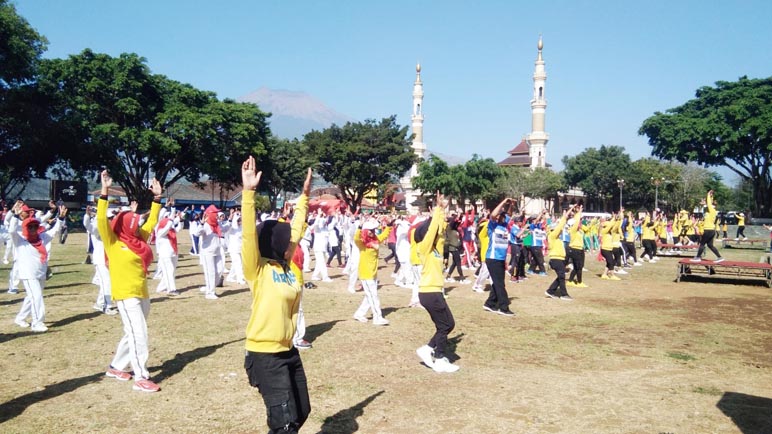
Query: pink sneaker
x,y
117,374
145,385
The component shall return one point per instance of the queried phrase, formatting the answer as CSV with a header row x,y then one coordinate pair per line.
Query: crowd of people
x,y
483,248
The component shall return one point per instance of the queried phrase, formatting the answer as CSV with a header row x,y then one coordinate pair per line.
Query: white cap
x,y
370,224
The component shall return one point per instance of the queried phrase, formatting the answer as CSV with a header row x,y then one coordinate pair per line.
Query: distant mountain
x,y
294,113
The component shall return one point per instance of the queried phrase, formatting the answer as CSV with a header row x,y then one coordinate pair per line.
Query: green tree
x,y
726,125
25,149
480,178
434,175
358,157
596,171
286,170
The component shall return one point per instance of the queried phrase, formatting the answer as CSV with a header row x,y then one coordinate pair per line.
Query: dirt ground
x,y
642,355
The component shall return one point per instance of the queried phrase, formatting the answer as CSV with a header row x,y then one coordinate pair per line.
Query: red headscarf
x,y
125,225
171,234
33,237
369,239
211,219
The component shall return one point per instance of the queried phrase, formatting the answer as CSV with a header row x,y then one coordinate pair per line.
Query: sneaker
x,y
21,323
110,310
745,238
543,273
621,272
202,289
604,276
425,354
614,278
360,318
145,385
99,307
443,365
719,259
550,295
488,308
476,288
581,285
117,374
328,280
173,293
695,260
463,281
637,264
570,283
449,279
566,297
505,312
13,291
303,344
211,296
39,327
380,321
5,261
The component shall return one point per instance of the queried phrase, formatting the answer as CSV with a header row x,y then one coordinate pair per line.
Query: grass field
x,y
643,355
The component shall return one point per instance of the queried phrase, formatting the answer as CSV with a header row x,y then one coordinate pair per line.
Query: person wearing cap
x,y
429,239
576,248
209,233
557,257
129,257
495,257
167,251
104,301
272,363
740,226
368,243
31,242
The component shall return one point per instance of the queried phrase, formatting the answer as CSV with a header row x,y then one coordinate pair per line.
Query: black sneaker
x,y
488,308
505,312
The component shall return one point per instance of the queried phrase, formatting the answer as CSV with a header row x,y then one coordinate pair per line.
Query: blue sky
x,y
610,64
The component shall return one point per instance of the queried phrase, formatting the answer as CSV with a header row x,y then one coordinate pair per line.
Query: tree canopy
x,y
726,125
596,172
358,157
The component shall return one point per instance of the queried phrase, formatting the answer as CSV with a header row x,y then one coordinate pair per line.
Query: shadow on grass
x,y
389,310
17,406
747,281
5,337
10,302
75,318
751,414
174,366
233,292
66,285
345,421
316,330
451,350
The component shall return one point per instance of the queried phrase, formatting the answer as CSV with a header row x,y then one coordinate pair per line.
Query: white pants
x,y
8,249
352,269
213,266
102,278
168,268
133,347
416,270
236,273
33,305
306,255
482,276
300,331
320,269
404,275
370,301
13,280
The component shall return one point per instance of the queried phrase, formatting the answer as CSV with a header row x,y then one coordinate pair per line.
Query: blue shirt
x,y
498,240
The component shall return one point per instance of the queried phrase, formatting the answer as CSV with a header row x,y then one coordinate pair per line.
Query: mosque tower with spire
x,y
419,148
538,138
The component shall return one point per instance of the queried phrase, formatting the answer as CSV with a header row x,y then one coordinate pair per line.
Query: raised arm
x,y
250,179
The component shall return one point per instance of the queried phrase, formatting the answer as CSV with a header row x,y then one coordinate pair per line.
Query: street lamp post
x,y
621,184
656,182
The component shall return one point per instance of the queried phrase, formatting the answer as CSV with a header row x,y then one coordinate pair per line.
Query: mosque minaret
x,y
419,148
538,138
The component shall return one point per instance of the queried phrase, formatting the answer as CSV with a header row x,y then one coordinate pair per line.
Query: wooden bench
x,y
758,270
731,242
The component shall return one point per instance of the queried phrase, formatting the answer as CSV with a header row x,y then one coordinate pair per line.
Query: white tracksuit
x,y
209,254
234,237
167,257
31,271
305,245
405,274
101,273
321,234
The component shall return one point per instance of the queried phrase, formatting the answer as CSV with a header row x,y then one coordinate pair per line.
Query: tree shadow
x,y
68,265
174,366
180,276
344,421
75,318
751,414
5,337
66,285
10,302
17,406
229,292
316,330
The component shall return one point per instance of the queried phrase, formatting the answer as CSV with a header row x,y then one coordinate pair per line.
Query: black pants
x,y
558,287
608,255
740,231
334,251
498,297
538,260
281,380
442,317
630,247
393,254
577,256
517,260
649,248
707,240
455,262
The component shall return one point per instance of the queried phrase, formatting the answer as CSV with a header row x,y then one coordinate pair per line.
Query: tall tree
x,y
596,172
286,170
358,157
726,125
24,148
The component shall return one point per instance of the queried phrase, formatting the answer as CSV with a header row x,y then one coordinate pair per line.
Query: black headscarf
x,y
273,238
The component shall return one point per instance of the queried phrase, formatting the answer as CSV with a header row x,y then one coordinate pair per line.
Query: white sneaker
x,y
443,365
98,307
327,280
211,296
425,354
360,318
21,323
621,271
637,264
39,327
13,291
380,321
202,289
476,288
5,261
